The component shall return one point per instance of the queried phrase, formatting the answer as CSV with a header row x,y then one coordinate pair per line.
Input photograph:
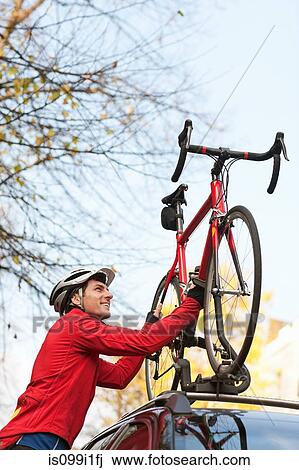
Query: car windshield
x,y
237,429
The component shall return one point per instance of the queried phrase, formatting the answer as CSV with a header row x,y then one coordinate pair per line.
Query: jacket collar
x,y
81,313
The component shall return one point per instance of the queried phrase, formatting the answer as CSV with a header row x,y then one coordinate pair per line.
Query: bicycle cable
x,y
228,167
222,177
225,178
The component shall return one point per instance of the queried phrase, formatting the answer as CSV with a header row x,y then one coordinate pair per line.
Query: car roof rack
x,y
263,401
176,401
180,402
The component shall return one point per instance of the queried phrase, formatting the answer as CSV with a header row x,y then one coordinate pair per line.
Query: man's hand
x,y
158,311
154,315
197,291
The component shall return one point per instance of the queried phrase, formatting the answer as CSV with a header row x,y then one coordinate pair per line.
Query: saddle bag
x,y
169,218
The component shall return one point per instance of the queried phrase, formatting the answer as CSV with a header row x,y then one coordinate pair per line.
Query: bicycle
x,y
230,271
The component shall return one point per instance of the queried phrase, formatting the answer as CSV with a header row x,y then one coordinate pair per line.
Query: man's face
x,y
96,299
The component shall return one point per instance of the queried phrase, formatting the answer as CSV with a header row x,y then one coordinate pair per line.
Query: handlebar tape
x,y
275,174
180,165
184,141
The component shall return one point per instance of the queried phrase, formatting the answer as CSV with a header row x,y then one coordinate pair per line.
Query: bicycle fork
x,y
217,290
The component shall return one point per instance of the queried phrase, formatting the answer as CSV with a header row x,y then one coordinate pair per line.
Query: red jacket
x,y
67,369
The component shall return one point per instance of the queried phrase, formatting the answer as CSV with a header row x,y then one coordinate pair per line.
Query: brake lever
x,y
185,135
284,149
189,132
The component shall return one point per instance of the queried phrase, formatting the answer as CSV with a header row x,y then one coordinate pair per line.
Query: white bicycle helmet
x,y
73,280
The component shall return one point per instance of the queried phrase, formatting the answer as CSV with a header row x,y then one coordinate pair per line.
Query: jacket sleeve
x,y
118,375
93,335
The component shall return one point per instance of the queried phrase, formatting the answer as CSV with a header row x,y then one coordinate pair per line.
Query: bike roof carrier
x,y
179,402
262,401
176,401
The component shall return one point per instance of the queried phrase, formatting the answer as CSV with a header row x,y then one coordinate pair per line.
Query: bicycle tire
x,y
166,357
237,350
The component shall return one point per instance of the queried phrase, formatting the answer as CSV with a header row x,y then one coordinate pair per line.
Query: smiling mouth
x,y
106,305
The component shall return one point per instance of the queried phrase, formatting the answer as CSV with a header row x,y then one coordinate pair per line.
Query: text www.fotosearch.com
x,y
168,460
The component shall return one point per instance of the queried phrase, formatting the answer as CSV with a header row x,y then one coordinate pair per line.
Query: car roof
x,y
179,404
221,428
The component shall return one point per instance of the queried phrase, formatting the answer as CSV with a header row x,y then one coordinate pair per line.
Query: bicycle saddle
x,y
177,196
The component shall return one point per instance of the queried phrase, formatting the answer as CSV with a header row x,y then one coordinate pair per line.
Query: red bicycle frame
x,y
216,203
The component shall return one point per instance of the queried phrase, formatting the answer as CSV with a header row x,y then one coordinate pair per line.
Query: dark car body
x,y
173,424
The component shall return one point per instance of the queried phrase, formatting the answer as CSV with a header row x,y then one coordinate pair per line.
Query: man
x,y
67,369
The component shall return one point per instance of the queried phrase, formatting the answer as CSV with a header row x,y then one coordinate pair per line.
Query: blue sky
x,y
266,101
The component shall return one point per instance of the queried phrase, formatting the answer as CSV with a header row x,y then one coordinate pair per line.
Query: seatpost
x,y
180,217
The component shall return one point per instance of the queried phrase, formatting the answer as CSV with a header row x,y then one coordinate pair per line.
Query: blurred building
x,y
279,361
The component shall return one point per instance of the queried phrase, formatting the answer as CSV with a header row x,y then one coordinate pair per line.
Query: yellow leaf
x,y
65,114
75,139
51,133
54,95
17,168
66,88
109,131
12,70
39,140
25,83
17,86
20,181
104,116
2,136
74,105
16,259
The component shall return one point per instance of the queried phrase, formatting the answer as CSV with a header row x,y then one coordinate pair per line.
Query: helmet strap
x,y
80,292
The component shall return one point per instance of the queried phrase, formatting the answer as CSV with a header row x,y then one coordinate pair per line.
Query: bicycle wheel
x,y
159,368
232,296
